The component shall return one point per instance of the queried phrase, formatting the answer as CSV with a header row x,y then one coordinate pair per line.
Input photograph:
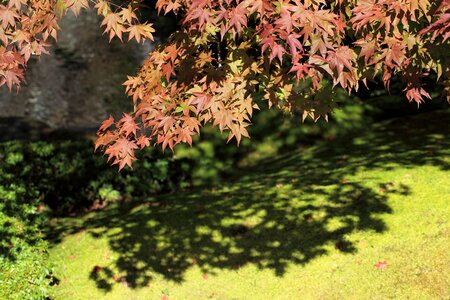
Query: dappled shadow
x,y
289,209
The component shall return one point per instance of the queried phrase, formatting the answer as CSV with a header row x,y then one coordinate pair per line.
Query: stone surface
x,y
76,86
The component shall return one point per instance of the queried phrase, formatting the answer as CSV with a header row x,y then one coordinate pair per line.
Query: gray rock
x,y
78,85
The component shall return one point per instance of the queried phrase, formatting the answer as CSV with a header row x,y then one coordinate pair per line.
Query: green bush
x,y
67,175
25,272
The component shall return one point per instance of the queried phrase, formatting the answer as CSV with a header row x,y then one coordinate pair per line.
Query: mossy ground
x,y
310,224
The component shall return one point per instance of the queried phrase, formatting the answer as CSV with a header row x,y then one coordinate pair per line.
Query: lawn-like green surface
x,y
307,225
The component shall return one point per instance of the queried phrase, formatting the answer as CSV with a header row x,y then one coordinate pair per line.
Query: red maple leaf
x,y
203,16
106,123
238,18
294,44
260,6
128,125
277,51
381,265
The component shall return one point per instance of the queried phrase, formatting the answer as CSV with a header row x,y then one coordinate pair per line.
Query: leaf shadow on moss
x,y
287,210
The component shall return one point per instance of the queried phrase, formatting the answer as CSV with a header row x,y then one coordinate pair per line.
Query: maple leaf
x,y
203,16
341,58
238,131
416,94
301,70
11,77
172,52
106,123
368,48
184,134
166,140
127,14
3,37
201,101
394,54
381,265
294,44
122,151
127,160
17,3
286,21
263,7
77,5
127,125
367,12
105,139
318,44
21,36
110,21
168,6
193,124
7,57
8,16
439,28
132,82
143,141
102,7
140,31
277,50
166,123
167,70
238,17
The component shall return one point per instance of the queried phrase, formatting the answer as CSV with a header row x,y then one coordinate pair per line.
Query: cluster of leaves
x,y
229,55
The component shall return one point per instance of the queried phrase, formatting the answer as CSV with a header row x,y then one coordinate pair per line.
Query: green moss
x,y
309,224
